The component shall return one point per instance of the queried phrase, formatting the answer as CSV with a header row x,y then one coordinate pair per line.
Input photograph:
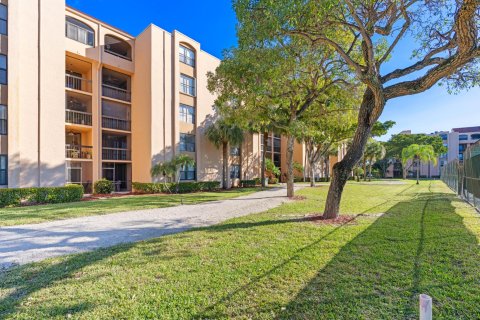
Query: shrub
x,y
273,180
15,197
258,181
248,183
183,187
103,186
69,193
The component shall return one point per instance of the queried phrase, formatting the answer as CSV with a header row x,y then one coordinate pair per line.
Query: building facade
x,y
81,100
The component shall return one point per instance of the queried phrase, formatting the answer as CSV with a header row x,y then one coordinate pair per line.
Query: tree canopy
x,y
398,142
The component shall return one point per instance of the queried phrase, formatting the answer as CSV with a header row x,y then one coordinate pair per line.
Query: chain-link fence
x,y
464,178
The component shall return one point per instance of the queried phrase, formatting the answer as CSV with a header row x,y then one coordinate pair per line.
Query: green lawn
x,y
37,214
408,240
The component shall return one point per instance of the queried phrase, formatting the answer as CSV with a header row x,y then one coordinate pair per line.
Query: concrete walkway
x,y
28,243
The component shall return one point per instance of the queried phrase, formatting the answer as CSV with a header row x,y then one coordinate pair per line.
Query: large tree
x,y
398,142
285,75
445,35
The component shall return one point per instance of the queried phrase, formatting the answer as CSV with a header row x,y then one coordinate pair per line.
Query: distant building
x,y
456,141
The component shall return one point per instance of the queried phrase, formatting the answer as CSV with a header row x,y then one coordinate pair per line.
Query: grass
x,y
43,213
406,240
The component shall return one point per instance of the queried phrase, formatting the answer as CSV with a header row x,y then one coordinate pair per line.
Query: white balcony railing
x,y
77,83
78,117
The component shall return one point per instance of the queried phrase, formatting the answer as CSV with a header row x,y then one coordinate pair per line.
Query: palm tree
x,y
223,134
418,153
374,151
170,169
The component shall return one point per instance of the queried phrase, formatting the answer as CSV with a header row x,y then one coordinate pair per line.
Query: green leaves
x,y
424,153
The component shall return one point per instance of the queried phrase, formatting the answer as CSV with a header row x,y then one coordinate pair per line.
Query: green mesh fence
x,y
464,178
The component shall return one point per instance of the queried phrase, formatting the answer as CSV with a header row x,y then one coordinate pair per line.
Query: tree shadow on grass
x,y
21,282
418,246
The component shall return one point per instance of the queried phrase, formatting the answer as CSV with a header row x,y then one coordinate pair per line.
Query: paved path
x,y
28,243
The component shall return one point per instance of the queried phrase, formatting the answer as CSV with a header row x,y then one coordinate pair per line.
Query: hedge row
x,y
248,183
183,187
17,196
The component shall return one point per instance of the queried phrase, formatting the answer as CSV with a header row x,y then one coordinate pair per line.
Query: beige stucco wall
x,y
142,110
209,158
36,139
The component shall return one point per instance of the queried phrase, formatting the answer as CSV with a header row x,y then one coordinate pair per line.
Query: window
x,y
3,119
460,156
74,172
235,151
187,142
461,147
3,69
187,113
463,137
187,85
235,172
188,173
187,56
475,136
3,170
443,136
118,47
3,19
79,31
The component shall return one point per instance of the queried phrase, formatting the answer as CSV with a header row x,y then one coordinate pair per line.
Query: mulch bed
x,y
340,220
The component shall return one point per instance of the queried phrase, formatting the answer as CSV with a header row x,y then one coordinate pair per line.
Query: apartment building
x,y
457,141
82,100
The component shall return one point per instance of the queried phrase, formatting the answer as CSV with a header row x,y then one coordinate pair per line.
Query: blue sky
x,y
212,23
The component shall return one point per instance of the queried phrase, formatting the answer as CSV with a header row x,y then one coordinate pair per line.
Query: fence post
x,y
425,307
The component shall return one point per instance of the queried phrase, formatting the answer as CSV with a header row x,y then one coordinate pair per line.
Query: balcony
x,y
116,93
78,152
116,154
77,83
78,117
115,123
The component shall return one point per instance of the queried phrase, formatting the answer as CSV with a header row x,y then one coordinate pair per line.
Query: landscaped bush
x,y
103,186
273,180
15,197
69,193
183,187
248,183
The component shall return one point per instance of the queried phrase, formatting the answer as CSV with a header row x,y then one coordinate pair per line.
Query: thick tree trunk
x,y
370,110
225,166
290,175
264,154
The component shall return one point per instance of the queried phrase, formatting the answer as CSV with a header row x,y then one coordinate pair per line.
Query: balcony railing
x,y
78,117
77,83
116,93
115,123
116,154
78,152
